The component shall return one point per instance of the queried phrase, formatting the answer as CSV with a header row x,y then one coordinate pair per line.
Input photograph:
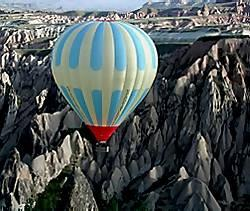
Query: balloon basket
x,y
101,147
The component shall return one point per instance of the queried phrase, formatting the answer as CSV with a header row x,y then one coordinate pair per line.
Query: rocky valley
x,y
184,148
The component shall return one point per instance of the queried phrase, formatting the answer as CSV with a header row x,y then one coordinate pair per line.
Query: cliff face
x,y
185,147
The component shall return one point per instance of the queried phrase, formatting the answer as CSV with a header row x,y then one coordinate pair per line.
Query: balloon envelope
x,y
104,70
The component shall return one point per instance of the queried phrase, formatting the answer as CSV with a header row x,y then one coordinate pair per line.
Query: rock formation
x,y
184,148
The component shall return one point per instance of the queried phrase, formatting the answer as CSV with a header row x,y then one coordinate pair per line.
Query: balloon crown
x,y
105,19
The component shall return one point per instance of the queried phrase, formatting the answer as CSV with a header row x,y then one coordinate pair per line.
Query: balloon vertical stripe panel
x,y
104,70
81,100
97,50
151,45
132,108
131,99
74,55
153,51
107,73
97,101
120,48
144,93
113,109
70,100
61,44
140,54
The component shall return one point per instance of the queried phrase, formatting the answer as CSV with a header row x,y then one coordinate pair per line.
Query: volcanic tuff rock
x,y
185,146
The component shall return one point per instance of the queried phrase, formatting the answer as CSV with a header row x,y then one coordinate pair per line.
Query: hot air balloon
x,y
104,69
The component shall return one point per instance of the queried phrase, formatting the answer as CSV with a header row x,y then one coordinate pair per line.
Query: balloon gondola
x,y
104,69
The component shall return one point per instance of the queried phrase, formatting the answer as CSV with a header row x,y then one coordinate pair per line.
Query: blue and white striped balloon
x,y
104,70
